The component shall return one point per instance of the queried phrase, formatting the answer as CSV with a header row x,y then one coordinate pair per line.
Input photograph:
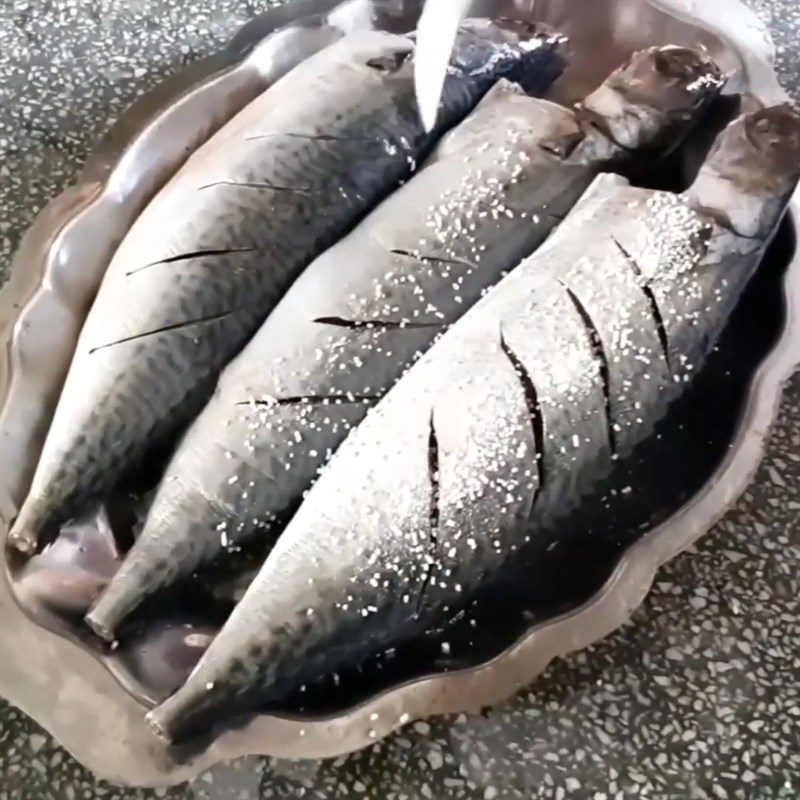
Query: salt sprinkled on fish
x,y
362,313
433,491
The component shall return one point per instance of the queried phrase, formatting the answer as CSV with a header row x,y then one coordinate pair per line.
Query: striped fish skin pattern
x,y
215,250
490,193
506,423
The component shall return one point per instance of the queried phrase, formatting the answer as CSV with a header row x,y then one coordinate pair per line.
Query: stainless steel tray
x,y
67,687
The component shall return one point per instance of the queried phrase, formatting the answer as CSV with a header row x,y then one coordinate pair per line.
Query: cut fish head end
x,y
752,168
771,136
510,49
654,97
504,30
526,33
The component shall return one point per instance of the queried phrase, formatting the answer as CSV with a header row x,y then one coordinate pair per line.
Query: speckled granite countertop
x,y
697,697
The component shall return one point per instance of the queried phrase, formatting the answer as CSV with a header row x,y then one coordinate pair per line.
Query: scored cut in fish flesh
x,y
511,418
215,250
363,311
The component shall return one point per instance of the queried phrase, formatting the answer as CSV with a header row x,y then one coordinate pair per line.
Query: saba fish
x,y
214,251
504,424
363,311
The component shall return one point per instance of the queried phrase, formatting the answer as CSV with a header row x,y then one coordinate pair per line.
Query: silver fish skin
x,y
506,422
215,250
362,312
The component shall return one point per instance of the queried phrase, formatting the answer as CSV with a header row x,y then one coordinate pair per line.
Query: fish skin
x,y
385,563
489,194
275,186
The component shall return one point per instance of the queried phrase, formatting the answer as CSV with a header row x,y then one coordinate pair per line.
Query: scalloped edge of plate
x,y
125,757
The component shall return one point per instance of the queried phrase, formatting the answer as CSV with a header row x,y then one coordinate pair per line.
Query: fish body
x,y
504,425
367,308
215,250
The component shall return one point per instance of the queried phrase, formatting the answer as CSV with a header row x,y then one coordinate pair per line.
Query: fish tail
x,y
165,719
26,531
188,710
161,554
133,583
162,718
119,599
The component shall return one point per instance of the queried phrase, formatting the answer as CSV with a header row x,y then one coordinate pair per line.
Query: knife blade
x,y
436,32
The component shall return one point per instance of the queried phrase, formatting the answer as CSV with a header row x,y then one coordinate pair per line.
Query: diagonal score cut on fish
x,y
576,321
491,192
249,211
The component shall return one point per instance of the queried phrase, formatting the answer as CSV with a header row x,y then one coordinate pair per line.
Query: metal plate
x,y
60,684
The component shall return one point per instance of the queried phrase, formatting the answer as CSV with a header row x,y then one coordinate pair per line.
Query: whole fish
x,y
364,310
215,250
507,421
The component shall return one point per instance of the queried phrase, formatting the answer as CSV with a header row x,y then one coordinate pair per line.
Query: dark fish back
x,y
212,254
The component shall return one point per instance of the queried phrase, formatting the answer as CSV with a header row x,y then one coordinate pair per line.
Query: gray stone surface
x,y
697,697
